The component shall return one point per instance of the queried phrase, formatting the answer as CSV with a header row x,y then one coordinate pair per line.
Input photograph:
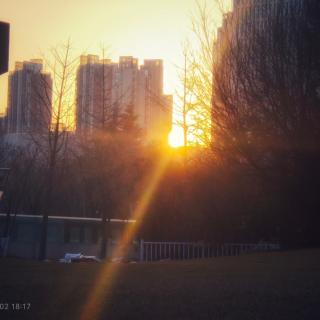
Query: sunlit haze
x,y
159,159
141,28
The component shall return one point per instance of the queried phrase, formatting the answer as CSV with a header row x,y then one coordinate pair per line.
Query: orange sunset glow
x,y
143,29
159,159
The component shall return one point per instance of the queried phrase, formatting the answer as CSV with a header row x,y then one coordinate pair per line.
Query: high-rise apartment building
x,y
95,97
154,67
128,83
249,15
265,58
29,98
102,96
253,22
158,114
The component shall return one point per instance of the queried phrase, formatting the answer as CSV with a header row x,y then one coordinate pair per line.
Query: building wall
x,y
64,236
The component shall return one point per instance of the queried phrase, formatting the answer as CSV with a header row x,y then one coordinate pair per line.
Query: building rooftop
x,y
26,216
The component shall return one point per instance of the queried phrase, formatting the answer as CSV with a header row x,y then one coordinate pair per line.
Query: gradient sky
x,y
142,28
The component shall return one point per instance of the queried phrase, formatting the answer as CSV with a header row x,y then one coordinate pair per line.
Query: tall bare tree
x,y
52,143
196,74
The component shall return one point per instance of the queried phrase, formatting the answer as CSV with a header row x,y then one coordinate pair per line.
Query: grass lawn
x,y
271,286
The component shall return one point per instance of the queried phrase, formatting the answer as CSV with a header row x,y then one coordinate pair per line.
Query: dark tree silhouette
x,y
266,105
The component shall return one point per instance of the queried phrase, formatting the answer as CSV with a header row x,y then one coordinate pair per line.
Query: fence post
x,y
141,250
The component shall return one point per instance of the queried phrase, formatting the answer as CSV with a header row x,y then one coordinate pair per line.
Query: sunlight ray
x,y
102,287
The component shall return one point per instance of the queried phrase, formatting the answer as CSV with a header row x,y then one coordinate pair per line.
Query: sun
x,y
176,137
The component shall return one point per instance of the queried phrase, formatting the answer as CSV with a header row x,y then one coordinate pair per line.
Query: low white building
x,y
65,234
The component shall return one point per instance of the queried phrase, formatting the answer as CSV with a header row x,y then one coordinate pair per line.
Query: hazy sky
x,y
142,28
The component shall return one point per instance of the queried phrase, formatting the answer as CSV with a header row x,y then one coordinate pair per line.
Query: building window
x,y
75,234
53,233
91,235
25,232
88,235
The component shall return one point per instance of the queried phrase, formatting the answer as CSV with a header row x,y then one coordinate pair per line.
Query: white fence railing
x,y
153,251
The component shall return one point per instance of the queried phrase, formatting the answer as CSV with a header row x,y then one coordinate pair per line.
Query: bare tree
x,y
57,99
265,82
22,178
108,168
196,75
266,102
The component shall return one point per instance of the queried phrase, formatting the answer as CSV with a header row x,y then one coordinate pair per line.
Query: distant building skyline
x,y
88,24
126,84
29,98
141,28
106,89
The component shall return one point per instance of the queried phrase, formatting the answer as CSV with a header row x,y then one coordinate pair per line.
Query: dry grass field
x,y
270,286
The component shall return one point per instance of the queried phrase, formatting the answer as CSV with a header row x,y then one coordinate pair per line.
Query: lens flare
x,y
104,282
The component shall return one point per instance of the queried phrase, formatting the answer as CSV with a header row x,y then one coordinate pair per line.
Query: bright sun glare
x,y
176,137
